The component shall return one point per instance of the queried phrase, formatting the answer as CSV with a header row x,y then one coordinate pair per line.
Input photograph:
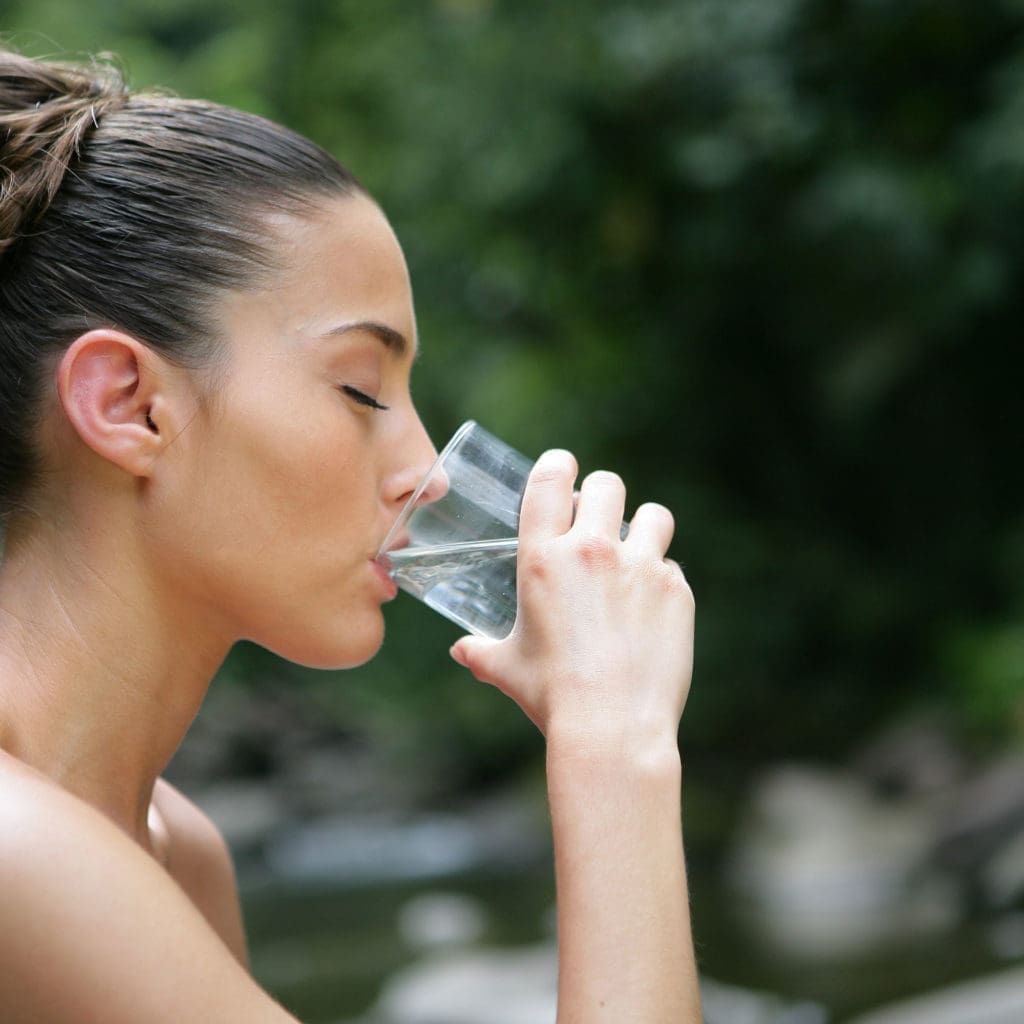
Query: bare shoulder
x,y
198,859
36,813
93,928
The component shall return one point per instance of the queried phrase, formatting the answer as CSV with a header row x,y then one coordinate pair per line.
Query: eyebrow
x,y
392,340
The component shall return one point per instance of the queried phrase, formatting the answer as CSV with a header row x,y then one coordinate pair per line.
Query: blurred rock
x,y
828,869
316,766
241,734
1006,936
1002,875
913,757
434,920
520,986
995,1000
330,776
245,812
501,986
351,849
983,813
728,1004
384,847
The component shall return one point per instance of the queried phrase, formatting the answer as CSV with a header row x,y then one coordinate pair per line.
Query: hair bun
x,y
46,111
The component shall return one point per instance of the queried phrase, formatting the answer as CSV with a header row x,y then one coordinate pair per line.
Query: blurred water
x,y
821,895
326,950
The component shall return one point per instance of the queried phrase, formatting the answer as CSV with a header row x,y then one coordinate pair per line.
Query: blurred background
x,y
765,258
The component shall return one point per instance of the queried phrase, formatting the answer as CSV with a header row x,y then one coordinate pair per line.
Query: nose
x,y
435,487
417,456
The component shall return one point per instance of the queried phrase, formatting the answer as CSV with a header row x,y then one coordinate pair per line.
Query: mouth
x,y
382,567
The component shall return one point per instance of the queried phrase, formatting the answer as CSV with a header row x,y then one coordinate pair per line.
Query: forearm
x,y
625,945
601,659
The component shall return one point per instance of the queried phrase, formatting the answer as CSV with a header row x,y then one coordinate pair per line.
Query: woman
x,y
206,335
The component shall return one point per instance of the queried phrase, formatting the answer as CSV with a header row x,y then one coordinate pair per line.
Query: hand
x,y
602,647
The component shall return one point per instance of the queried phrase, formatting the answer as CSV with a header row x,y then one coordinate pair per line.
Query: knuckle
x,y
664,579
596,550
670,577
535,562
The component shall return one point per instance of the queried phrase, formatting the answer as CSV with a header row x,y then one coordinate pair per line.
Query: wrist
x,y
612,793
586,753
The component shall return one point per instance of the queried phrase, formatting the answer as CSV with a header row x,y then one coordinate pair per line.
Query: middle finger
x,y
602,503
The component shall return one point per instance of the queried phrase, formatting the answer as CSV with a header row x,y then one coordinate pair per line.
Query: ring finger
x,y
651,530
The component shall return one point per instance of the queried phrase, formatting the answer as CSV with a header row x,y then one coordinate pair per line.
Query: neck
x,y
100,673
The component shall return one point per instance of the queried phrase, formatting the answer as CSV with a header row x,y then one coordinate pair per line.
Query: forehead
x,y
340,264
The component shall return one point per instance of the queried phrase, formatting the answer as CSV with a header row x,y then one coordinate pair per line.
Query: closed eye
x,y
362,398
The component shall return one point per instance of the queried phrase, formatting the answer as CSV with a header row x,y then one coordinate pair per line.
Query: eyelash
x,y
362,398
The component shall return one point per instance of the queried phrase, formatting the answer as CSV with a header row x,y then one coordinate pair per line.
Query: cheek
x,y
276,444
294,476
268,525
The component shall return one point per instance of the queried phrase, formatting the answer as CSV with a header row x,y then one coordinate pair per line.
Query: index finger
x,y
547,509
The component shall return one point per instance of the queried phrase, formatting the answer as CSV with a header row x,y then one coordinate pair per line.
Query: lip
x,y
388,585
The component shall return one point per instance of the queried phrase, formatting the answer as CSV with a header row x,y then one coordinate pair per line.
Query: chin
x,y
331,648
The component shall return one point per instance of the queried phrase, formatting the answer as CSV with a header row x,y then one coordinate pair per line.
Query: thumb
x,y
476,653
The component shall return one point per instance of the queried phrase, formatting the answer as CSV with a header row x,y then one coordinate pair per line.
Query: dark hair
x,y
131,211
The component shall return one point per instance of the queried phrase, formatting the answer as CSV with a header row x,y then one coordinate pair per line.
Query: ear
x,y
113,395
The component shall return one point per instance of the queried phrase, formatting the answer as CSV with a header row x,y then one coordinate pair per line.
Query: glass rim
x,y
459,434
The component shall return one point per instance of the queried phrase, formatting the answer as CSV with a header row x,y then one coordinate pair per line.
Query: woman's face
x,y
289,477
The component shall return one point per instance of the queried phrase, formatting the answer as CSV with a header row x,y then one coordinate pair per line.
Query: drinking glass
x,y
457,552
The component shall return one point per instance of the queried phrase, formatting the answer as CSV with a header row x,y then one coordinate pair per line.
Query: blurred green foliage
x,y
764,257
